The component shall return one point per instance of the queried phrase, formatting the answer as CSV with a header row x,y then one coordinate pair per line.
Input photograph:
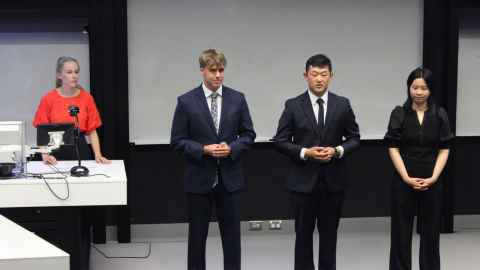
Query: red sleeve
x,y
93,120
42,116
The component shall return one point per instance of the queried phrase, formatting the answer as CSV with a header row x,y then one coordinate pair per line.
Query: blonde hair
x,y
60,63
212,57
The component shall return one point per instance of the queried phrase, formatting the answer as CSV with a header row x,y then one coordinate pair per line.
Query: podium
x,y
95,190
106,186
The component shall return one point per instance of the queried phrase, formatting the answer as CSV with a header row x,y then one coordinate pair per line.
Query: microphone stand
x,y
79,170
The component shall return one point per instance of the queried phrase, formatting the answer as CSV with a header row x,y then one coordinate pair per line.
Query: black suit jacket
x,y
297,128
193,128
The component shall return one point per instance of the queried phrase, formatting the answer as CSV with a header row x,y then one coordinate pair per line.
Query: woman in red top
x,y
54,106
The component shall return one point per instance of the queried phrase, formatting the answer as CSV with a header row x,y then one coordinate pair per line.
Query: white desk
x,y
84,191
23,250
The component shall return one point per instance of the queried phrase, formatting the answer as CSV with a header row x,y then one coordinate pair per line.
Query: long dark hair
x,y
420,73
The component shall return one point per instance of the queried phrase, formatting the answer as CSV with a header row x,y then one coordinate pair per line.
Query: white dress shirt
x,y
208,94
316,106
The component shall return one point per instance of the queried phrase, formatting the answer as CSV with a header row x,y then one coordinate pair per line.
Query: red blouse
x,y
53,108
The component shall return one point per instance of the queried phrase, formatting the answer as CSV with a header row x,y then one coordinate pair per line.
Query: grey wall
x,y
28,71
373,44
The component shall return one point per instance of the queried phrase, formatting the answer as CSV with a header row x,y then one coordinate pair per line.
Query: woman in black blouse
x,y
418,138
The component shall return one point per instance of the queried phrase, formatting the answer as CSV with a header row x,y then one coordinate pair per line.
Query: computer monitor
x,y
12,148
43,138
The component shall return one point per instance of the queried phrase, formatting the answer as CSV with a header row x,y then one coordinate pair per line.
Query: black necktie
x,y
320,115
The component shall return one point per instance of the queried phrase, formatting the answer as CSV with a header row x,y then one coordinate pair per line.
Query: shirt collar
x,y
313,97
208,92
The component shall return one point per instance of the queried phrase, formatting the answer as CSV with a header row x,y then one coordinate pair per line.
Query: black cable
x,y
149,251
63,176
56,170
43,176
53,192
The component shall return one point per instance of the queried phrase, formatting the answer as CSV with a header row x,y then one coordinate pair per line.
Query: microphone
x,y
73,110
77,171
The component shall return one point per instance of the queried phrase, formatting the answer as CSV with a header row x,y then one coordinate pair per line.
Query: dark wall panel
x,y
467,176
29,16
156,187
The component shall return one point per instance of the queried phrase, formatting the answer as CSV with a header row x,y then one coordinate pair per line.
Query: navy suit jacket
x,y
297,128
193,128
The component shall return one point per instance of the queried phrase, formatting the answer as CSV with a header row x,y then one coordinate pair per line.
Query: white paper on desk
x,y
62,166
93,166
40,168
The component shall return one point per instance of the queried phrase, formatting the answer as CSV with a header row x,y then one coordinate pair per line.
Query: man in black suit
x,y
211,128
316,130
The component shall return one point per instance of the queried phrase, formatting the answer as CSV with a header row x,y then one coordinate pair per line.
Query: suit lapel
x,y
331,106
226,105
308,110
202,104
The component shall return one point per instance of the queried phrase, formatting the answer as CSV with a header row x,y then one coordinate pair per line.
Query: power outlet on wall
x,y
255,225
275,225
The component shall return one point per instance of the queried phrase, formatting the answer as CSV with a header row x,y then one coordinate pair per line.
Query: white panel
x,y
468,93
23,250
28,71
373,44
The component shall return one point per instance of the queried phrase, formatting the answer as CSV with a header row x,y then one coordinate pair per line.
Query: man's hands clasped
x,y
320,153
221,150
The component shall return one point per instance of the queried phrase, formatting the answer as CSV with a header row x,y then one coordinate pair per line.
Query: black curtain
x,y
109,85
440,54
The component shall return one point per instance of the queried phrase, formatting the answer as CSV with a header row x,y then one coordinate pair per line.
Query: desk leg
x,y
75,230
97,217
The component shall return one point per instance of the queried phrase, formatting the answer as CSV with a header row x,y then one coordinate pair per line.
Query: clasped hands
x,y
320,153
420,184
221,150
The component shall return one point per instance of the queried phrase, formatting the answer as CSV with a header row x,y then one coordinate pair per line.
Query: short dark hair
x,y
420,73
318,60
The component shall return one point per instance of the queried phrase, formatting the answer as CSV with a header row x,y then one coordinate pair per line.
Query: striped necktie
x,y
214,109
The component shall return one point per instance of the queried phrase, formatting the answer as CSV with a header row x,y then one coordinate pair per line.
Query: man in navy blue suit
x,y
211,128
317,130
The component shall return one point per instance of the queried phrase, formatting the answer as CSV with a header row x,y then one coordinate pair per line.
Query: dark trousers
x,y
228,214
405,204
323,209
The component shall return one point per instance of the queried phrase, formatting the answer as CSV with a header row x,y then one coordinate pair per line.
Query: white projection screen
x,y
28,71
373,44
468,93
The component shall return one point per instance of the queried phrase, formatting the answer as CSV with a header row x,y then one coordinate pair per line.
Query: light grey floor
x,y
363,244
